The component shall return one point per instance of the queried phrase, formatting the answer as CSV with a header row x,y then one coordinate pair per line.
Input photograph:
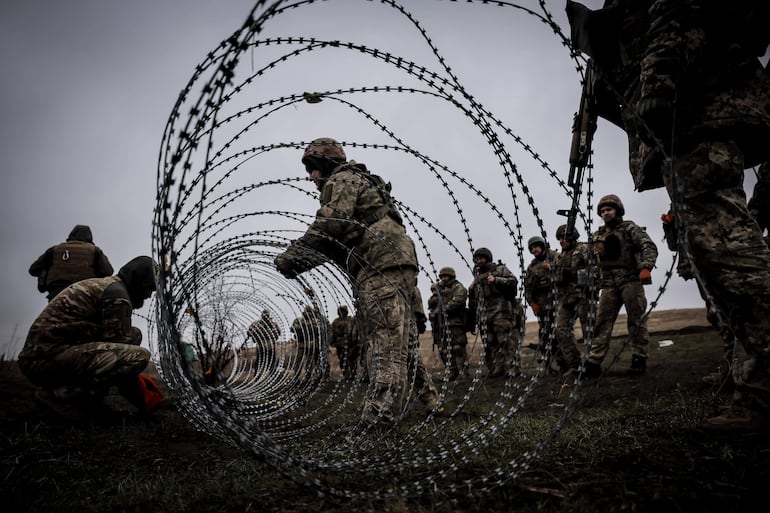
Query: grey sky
x,y
88,85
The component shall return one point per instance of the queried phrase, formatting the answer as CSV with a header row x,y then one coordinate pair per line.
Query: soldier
x,y
537,288
311,331
359,228
76,259
451,300
264,334
342,340
570,276
492,304
435,320
625,255
690,78
82,343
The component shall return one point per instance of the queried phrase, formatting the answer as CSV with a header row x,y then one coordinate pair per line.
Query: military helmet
x,y
447,271
323,149
562,230
537,239
613,201
483,252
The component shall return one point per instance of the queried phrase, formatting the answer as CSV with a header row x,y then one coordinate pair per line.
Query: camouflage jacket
x,y
623,248
342,331
453,296
265,330
569,263
311,327
700,56
356,227
93,310
537,280
498,297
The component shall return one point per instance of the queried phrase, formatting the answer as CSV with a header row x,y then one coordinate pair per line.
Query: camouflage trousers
x,y
385,307
90,366
611,300
453,348
572,306
423,383
727,250
500,344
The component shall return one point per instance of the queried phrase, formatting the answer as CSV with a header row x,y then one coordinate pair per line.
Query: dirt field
x,y
635,445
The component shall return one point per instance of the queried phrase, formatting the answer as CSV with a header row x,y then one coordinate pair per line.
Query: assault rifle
x,y
583,128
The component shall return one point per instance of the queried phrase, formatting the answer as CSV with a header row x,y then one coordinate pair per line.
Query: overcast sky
x,y
87,87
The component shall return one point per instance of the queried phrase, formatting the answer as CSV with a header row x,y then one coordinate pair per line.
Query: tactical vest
x,y
72,261
619,253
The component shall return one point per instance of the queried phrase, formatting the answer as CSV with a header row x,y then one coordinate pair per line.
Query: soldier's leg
x,y
610,302
636,303
385,298
728,251
568,356
504,362
459,351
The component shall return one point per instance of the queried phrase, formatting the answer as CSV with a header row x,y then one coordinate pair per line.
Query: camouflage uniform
x,y
342,339
537,290
311,331
358,227
690,69
570,265
264,334
435,320
494,308
84,339
451,302
623,250
76,259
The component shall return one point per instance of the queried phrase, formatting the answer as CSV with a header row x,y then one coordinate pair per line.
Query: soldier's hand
x,y
285,266
535,308
645,277
421,326
547,266
490,278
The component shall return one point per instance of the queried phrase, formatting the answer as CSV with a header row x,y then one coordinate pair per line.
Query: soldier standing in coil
x,y
76,259
626,255
452,297
342,340
492,303
685,82
537,289
359,228
571,276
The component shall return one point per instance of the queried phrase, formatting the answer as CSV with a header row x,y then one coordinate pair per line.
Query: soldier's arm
x,y
42,263
103,266
457,298
648,251
116,310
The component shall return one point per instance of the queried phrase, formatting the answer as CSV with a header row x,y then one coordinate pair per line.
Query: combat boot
x,y
592,370
738,419
638,365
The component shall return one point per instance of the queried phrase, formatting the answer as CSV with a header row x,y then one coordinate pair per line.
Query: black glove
x,y
285,266
421,326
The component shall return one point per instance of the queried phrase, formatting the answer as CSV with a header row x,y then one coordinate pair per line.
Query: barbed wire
x,y
224,212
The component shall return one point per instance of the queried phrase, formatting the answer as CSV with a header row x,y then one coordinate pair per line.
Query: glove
x,y
151,394
285,266
535,308
421,326
645,277
547,266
